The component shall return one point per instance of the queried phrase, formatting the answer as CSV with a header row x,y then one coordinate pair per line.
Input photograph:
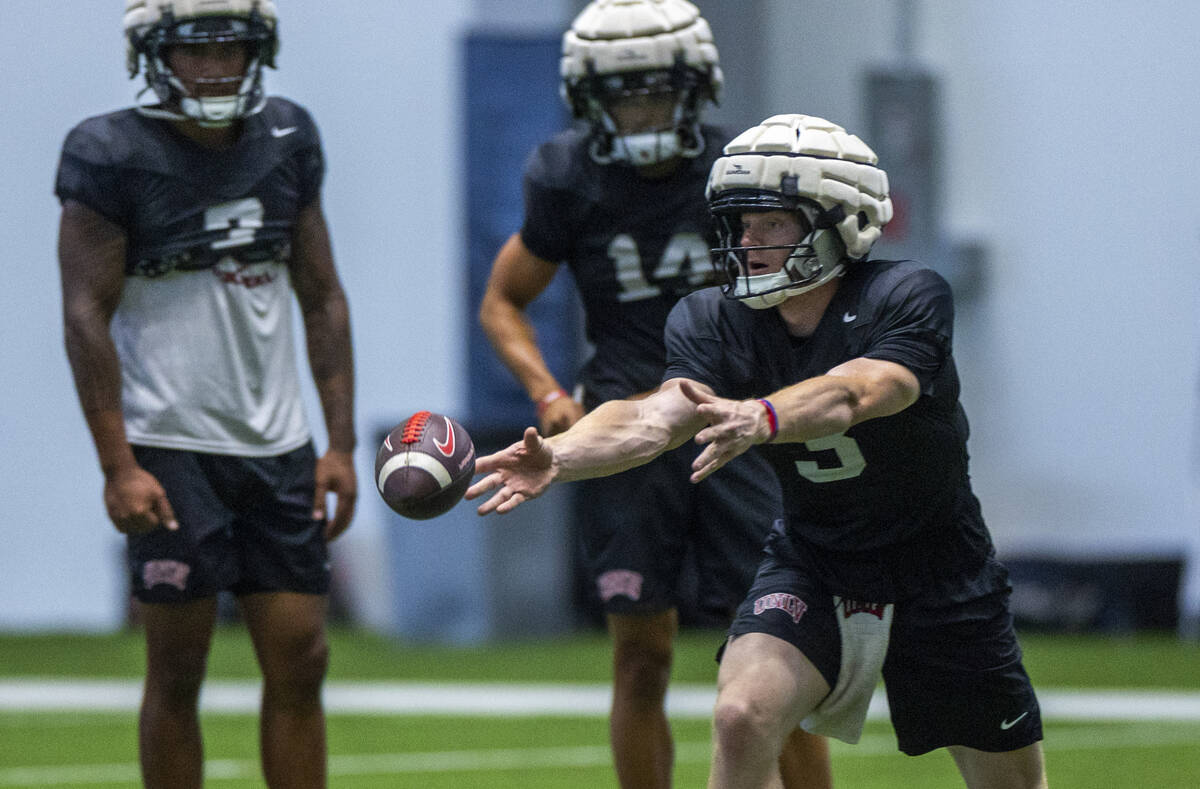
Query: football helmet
x,y
621,48
152,26
805,164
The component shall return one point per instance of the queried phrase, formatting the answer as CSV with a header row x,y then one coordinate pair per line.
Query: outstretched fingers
x,y
489,483
516,474
707,462
730,431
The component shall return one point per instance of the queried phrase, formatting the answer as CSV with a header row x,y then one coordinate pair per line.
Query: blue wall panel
x,y
512,104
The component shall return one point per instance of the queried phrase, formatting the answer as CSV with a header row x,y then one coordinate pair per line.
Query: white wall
x,y
1070,151
1073,147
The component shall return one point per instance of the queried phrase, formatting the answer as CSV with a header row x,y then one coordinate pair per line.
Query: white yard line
x,y
507,700
1129,736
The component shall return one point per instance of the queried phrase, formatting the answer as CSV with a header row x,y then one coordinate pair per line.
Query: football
x,y
425,465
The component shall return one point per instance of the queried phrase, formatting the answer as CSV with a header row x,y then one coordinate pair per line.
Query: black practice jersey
x,y
894,487
634,245
185,207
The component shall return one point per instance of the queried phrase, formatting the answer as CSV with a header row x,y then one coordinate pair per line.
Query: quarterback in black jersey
x,y
839,369
619,199
189,225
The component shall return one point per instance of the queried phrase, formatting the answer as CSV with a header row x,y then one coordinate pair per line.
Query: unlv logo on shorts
x,y
619,582
165,571
788,603
852,607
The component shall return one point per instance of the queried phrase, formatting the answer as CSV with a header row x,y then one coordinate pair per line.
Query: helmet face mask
x,y
155,28
620,49
817,257
649,143
802,164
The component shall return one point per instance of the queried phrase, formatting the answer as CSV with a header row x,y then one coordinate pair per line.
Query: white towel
x,y
865,628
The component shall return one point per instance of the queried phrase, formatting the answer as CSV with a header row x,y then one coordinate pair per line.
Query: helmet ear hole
x,y
829,248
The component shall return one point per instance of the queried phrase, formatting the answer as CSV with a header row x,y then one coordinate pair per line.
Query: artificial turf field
x,y
87,748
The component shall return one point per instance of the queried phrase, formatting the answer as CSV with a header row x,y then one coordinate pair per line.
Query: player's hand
x,y
559,415
335,474
733,427
519,473
136,502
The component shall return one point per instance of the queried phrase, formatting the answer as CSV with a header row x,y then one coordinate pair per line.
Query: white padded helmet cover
x,y
141,15
830,167
638,35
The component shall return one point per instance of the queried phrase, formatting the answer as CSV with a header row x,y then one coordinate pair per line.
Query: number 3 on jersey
x,y
679,258
242,218
850,460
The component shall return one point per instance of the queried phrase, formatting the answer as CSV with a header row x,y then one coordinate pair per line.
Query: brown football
x,y
425,465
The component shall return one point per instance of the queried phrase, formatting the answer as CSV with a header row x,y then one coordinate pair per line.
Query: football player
x,y
619,200
839,369
187,224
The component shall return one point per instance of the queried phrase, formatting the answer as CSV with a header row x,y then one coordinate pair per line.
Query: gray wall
x,y
1069,154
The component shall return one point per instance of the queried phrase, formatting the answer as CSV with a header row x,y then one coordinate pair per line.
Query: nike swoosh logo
x,y
1006,725
278,132
848,318
447,448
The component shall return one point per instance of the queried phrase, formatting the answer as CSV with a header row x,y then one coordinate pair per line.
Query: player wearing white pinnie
x,y
188,223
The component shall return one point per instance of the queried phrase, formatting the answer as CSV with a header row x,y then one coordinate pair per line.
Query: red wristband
x,y
546,400
772,418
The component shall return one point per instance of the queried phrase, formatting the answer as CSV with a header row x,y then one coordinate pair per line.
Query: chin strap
x,y
645,149
156,111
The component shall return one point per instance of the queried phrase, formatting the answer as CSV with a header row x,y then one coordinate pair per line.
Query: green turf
x,y
1143,661
398,752
431,752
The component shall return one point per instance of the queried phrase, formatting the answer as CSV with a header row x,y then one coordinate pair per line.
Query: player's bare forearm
x,y
622,434
852,392
326,315
517,278
514,341
618,435
331,359
97,375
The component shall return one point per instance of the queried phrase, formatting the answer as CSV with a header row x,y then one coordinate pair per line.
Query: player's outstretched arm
x,y
852,392
618,435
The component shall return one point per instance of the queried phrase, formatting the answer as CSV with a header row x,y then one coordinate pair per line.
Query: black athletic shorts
x,y
637,526
245,525
952,672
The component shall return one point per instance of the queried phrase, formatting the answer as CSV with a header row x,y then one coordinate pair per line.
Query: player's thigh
x,y
652,633
178,637
199,559
786,602
280,545
1023,768
767,678
288,632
